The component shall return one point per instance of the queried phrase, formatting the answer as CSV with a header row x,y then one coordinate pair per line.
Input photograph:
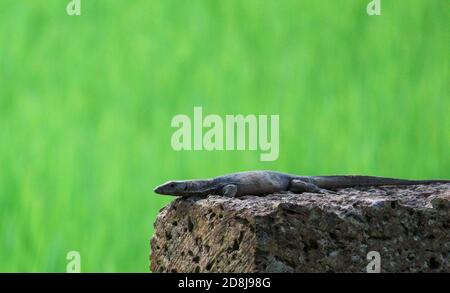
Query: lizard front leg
x,y
229,190
299,186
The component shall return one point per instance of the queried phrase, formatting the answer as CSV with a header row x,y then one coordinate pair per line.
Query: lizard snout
x,y
157,189
161,189
167,188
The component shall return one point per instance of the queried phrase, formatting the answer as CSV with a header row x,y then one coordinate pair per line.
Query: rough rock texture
x,y
408,226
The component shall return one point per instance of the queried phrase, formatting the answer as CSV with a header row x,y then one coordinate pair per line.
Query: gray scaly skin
x,y
268,182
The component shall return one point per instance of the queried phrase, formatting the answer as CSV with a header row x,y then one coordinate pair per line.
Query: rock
x,y
408,226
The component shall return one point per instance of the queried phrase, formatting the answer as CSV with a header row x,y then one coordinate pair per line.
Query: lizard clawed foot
x,y
229,190
299,186
326,191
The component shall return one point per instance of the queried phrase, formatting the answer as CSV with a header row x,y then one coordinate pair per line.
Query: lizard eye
x,y
185,187
172,185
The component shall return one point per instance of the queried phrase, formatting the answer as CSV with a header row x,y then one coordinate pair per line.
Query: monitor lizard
x,y
268,182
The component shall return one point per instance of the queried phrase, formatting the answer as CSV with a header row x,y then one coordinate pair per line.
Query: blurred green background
x,y
86,104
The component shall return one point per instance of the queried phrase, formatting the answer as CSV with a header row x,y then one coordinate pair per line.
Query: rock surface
x,y
408,226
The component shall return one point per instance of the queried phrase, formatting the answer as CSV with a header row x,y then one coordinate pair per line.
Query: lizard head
x,y
177,188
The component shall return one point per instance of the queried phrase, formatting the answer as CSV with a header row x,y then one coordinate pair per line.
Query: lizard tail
x,y
351,181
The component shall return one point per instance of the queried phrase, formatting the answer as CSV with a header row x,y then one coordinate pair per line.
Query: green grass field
x,y
86,104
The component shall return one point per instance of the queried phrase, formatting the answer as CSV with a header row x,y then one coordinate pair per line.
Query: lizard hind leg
x,y
299,186
229,190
